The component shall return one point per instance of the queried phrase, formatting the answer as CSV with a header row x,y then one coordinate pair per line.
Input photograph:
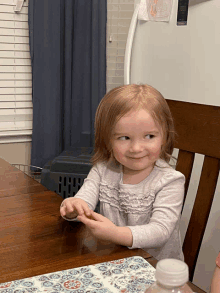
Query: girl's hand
x,y
72,207
101,227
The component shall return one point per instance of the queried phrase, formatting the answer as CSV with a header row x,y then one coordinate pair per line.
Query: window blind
x,y
16,109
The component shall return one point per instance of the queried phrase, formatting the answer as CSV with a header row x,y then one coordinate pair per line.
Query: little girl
x,y
140,194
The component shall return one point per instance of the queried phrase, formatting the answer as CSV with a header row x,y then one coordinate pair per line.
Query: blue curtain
x,y
68,55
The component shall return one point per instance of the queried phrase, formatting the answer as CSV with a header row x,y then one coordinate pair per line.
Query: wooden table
x,y
35,240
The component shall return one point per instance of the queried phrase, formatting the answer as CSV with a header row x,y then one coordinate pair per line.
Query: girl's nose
x,y
136,146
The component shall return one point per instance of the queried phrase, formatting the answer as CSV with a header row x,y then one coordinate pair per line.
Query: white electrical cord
x,y
130,38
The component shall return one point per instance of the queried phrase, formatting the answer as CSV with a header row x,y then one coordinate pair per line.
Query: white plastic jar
x,y
171,277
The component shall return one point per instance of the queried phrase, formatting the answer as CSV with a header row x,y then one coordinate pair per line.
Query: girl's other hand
x,y
100,226
103,229
72,207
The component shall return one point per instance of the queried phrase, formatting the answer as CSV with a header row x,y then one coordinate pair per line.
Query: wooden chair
x,y
198,131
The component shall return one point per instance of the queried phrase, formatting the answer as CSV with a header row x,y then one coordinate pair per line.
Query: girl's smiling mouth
x,y
137,158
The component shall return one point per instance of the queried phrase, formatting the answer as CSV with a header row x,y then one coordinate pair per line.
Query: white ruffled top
x,y
151,208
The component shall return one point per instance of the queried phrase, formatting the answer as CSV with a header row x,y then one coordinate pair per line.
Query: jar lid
x,y
172,272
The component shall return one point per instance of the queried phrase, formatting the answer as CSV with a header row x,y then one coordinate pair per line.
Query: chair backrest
x,y
198,131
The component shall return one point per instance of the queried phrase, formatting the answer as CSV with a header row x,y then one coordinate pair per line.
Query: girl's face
x,y
137,142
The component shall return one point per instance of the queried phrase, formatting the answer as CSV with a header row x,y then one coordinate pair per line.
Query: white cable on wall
x,y
129,43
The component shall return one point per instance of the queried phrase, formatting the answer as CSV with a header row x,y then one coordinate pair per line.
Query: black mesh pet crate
x,y
65,174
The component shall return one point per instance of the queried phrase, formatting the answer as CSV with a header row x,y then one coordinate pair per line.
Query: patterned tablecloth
x,y
133,274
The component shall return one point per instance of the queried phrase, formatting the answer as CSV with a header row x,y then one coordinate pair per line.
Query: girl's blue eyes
x,y
149,136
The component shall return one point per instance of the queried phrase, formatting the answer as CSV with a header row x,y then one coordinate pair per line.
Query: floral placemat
x,y
132,274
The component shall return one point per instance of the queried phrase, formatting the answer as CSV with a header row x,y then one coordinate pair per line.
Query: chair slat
x,y
200,212
184,165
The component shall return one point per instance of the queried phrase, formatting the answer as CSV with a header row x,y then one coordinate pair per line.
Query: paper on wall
x,y
155,10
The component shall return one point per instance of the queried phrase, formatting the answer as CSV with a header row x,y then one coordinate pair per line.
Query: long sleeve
x,y
89,191
166,212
